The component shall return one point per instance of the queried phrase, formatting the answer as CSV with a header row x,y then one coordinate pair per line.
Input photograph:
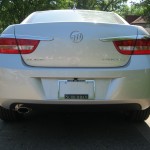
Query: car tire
x,y
9,115
139,115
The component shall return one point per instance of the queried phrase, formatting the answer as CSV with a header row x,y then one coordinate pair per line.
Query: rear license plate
x,y
76,96
76,89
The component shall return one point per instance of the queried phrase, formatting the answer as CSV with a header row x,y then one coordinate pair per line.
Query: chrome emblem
x,y
76,36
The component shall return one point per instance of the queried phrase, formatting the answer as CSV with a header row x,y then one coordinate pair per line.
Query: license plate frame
x,y
76,89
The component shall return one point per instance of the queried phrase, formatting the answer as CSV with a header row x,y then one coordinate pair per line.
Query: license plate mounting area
x,y
76,89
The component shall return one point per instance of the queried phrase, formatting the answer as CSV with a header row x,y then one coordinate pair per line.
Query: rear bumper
x,y
81,108
31,85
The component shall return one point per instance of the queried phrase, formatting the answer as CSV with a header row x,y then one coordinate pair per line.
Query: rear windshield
x,y
74,16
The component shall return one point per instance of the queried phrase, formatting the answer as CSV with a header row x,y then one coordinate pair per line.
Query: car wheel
x,y
9,115
139,115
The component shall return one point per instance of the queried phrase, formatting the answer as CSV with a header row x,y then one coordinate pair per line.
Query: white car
x,y
74,57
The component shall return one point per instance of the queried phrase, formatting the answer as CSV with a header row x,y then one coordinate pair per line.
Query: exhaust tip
x,y
23,110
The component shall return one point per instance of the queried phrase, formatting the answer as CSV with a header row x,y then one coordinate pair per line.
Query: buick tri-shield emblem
x,y
76,36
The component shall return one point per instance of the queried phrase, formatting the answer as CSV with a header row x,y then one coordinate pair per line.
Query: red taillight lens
x,y
133,47
17,46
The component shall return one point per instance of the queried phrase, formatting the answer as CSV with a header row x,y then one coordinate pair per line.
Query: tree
x,y
110,5
146,7
134,9
14,11
104,5
85,4
141,9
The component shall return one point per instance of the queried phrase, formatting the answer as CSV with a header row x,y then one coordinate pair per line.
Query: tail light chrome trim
x,y
29,37
119,38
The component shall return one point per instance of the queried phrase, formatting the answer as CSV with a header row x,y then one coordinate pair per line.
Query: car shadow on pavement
x,y
74,131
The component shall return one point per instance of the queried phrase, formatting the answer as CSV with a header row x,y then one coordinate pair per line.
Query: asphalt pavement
x,y
75,131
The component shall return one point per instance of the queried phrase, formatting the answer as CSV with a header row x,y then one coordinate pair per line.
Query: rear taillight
x,y
133,47
17,46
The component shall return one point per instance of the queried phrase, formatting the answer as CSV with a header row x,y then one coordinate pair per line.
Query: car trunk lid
x,y
75,44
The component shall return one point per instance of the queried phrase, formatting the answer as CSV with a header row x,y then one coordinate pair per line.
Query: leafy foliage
x,y
134,9
146,7
110,5
14,11
104,5
141,9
